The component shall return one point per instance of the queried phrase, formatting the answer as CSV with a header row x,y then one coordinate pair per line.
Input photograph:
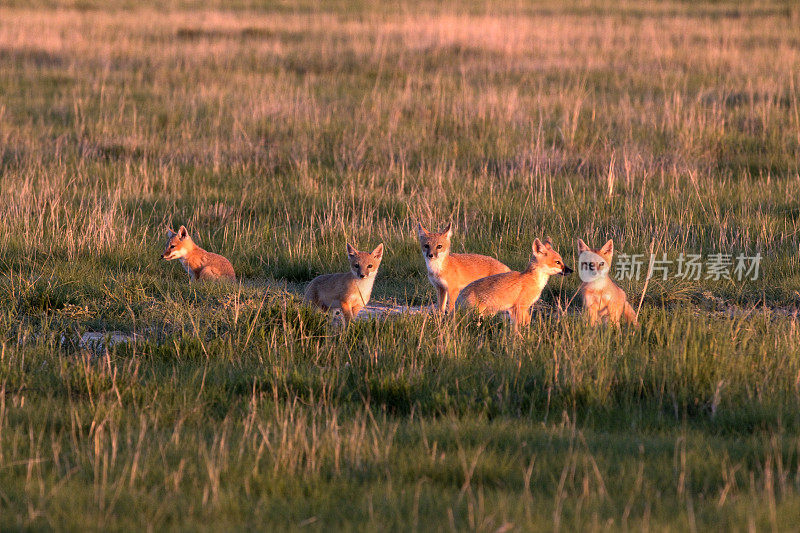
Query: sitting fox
x,y
200,265
515,292
603,300
347,291
450,272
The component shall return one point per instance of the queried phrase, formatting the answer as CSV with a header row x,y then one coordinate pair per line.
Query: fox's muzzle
x,y
430,256
566,270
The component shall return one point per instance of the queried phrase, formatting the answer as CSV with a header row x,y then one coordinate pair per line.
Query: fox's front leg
x,y
441,294
452,296
593,316
523,316
347,312
355,309
515,319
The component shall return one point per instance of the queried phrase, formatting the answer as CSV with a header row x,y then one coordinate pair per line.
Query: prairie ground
x,y
276,132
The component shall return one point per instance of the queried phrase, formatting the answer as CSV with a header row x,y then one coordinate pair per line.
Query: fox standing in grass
x,y
200,265
347,291
449,272
603,300
515,292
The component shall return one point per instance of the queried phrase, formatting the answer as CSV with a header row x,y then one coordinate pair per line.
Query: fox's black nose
x,y
566,270
430,256
363,276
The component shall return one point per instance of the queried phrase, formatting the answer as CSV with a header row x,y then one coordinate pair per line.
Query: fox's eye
x,y
602,264
171,246
426,246
369,266
558,262
439,246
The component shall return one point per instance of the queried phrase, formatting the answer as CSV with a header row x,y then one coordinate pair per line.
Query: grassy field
x,y
276,131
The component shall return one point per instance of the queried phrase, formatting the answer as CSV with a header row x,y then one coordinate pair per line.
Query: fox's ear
x,y
449,230
548,242
350,250
538,247
582,247
170,232
182,233
421,231
608,248
377,253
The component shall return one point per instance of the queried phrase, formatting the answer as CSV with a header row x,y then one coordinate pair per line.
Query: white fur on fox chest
x,y
597,292
533,293
435,267
364,286
541,282
599,285
185,265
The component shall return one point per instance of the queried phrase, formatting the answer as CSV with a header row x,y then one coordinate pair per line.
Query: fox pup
x,y
450,272
198,263
603,300
347,291
515,292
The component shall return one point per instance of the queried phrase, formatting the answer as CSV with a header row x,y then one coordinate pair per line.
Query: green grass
x,y
276,132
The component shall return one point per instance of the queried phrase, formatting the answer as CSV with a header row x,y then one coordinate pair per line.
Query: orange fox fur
x,y
347,291
451,272
515,292
603,300
200,264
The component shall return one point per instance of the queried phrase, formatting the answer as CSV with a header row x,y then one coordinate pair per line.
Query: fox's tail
x,y
630,314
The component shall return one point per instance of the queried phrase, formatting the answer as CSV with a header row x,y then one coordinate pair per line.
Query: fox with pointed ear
x,y
515,292
450,272
603,300
347,291
199,264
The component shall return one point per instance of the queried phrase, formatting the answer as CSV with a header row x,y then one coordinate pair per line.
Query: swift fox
x,y
603,300
515,292
347,291
450,272
198,263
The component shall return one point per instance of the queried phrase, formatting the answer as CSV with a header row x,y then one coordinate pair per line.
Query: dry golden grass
x,y
276,131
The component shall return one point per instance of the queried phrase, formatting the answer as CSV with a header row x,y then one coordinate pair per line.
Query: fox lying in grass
x,y
515,292
347,291
200,264
449,272
603,300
